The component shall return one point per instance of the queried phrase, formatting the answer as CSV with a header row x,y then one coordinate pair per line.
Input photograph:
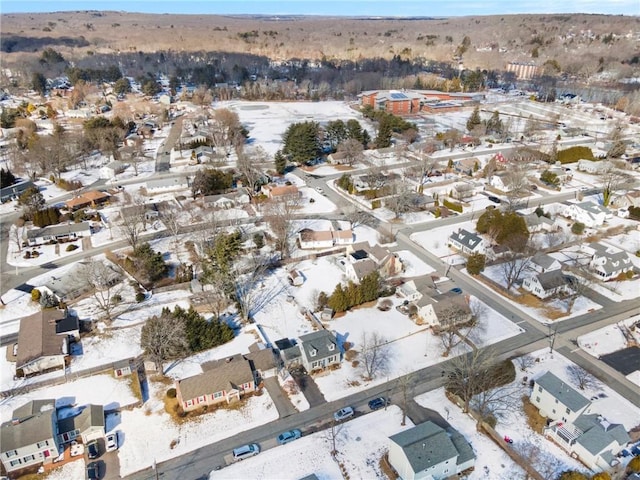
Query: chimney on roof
x,y
15,421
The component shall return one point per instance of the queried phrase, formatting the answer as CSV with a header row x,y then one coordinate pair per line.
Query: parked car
x,y
378,403
343,414
494,199
112,442
289,436
93,471
93,449
320,190
245,451
457,290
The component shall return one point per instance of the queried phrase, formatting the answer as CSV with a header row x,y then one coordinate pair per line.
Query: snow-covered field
x,y
360,443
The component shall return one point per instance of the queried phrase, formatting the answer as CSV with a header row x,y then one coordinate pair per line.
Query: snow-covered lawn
x,y
414,267
491,462
360,443
609,339
69,471
98,389
46,253
410,347
149,431
435,241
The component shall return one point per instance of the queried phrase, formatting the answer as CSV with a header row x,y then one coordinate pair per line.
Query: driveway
x,y
419,414
280,399
625,361
308,387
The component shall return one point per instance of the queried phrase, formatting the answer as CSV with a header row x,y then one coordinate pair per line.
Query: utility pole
x,y
552,337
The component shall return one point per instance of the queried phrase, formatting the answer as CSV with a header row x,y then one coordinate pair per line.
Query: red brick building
x,y
412,102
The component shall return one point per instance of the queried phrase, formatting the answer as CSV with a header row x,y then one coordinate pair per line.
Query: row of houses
x,y
39,432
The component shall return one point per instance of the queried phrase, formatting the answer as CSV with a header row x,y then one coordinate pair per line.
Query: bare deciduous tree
x,y
581,377
351,150
225,129
248,167
331,434
106,284
455,326
279,214
525,362
514,264
246,282
163,338
498,402
405,386
612,179
133,222
374,354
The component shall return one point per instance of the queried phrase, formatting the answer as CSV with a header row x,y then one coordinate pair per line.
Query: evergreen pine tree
x,y
474,120
280,162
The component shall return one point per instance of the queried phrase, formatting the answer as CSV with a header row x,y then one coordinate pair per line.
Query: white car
x,y
343,414
112,442
320,190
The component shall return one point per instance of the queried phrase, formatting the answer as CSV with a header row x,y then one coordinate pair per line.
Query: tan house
x,y
224,380
432,310
363,259
91,198
280,191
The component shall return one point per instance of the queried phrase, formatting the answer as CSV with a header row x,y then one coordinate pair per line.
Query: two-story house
x,y
363,259
575,426
591,214
466,242
544,285
428,452
319,350
607,262
29,439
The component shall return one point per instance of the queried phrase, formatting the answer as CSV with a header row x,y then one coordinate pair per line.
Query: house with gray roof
x,y
590,438
86,422
591,214
363,259
607,262
14,191
66,232
466,242
428,452
29,439
319,350
224,380
558,400
547,284
74,283
442,311
167,184
541,263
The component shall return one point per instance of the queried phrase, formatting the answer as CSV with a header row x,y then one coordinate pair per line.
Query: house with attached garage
x,y
167,185
608,262
311,239
57,233
591,214
74,283
428,452
443,310
466,242
575,425
92,199
594,167
86,422
544,285
225,380
314,351
363,259
44,341
30,438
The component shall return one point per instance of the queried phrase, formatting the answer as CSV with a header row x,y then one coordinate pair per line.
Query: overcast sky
x,y
436,8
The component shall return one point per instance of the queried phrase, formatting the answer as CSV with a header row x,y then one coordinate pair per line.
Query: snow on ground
x,y
435,241
414,267
18,304
267,121
149,431
46,253
614,407
98,389
580,306
491,462
610,338
69,471
297,398
191,365
360,443
410,347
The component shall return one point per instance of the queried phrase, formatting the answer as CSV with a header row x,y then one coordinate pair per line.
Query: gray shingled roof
x,y
321,341
465,451
552,279
36,424
224,374
543,260
56,230
91,416
466,238
562,391
425,445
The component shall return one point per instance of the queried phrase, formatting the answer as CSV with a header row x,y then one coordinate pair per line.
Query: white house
x,y
67,232
409,291
466,242
557,400
428,452
111,169
626,200
167,184
594,167
544,285
591,214
312,239
608,262
575,426
363,259
541,263
501,181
